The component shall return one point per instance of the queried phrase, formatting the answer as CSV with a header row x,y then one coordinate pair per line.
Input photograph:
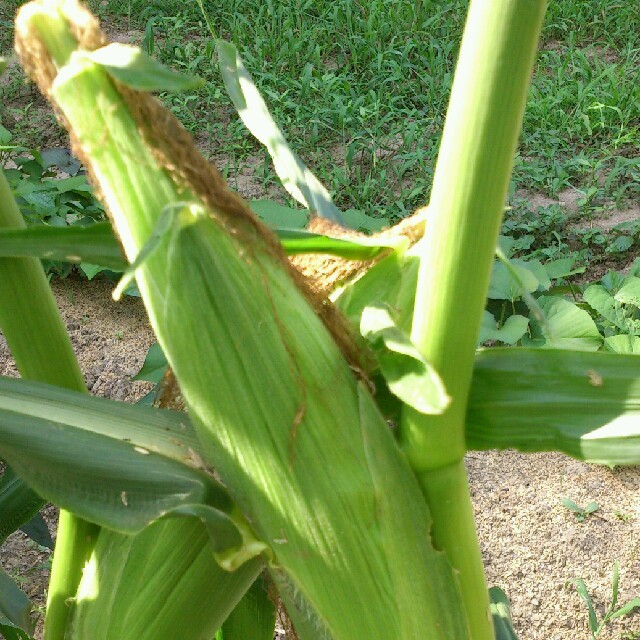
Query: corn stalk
x,y
469,190
27,306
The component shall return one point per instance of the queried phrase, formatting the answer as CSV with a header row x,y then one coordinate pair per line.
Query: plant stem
x,y
470,185
38,340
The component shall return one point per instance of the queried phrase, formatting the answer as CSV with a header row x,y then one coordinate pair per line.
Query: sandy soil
x,y
532,545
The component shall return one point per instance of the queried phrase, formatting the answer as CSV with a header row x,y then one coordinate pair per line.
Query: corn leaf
x,y
296,178
295,241
97,245
116,465
94,243
18,503
15,609
586,405
501,613
405,371
134,68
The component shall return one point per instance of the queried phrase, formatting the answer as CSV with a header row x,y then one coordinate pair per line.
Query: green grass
x,y
361,90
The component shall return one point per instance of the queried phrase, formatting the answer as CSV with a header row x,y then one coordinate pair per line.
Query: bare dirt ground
x,y
532,545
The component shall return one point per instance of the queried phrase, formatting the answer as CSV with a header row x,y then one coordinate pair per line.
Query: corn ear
x,y
279,411
162,583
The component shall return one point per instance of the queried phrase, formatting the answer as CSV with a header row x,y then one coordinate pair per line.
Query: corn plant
x,y
320,458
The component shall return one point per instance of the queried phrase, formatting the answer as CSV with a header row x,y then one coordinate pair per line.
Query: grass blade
x,y
581,589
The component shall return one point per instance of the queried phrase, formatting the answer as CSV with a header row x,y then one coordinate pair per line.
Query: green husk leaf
x,y
390,282
586,405
134,68
296,178
405,371
94,243
437,583
254,617
161,583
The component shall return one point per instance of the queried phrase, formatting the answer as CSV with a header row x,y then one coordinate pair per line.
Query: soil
x,y
532,545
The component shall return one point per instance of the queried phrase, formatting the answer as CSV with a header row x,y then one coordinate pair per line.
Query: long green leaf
x,y
15,608
296,178
133,67
295,241
586,405
18,503
94,243
117,465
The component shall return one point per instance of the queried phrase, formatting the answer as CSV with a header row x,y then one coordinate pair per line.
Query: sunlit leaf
x,y
296,178
511,331
586,405
136,69
405,371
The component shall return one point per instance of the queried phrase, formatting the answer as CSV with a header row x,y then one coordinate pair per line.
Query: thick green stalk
x,y
470,184
38,340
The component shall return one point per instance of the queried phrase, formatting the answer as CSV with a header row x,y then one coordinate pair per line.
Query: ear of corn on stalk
x,y
277,407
